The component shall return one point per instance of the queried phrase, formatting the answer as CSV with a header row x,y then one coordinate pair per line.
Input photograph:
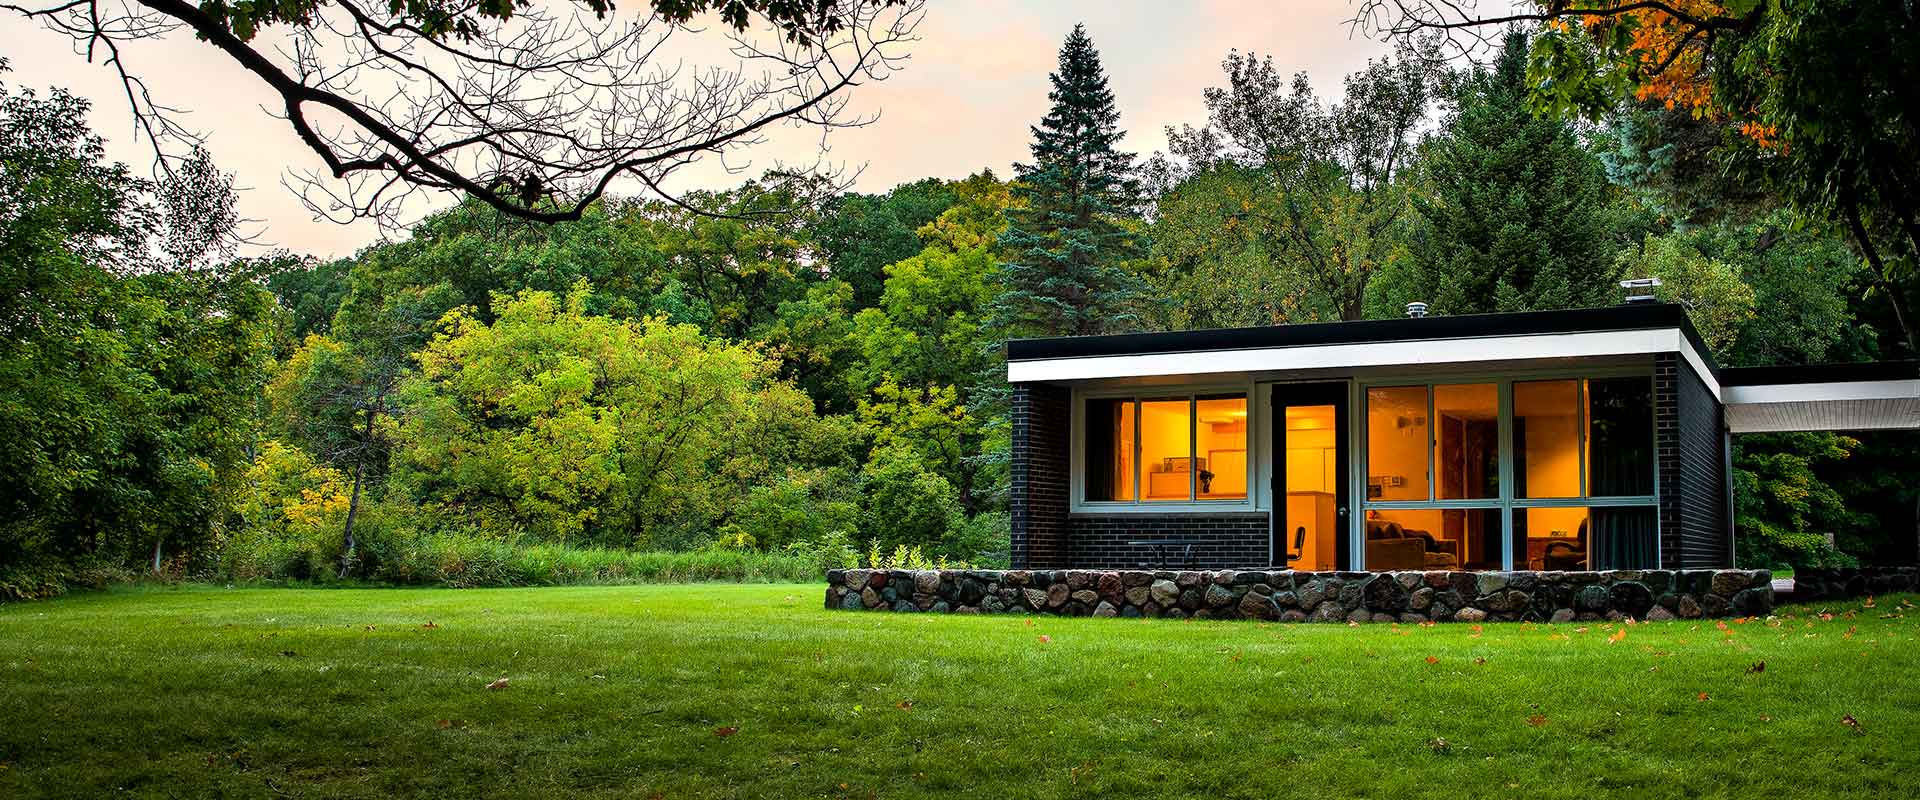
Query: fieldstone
x,y
1017,577
1057,595
1421,599
1411,618
1360,615
1523,581
1469,615
1258,606
1261,589
1729,582
1494,603
1153,609
1491,582
992,605
971,591
926,581
1384,617
1036,598
1087,596
1130,612
1689,608
1164,592
1385,593
941,607
1561,616
1464,583
1659,614
1518,601
1631,598
1191,599
1286,599
1313,593
1714,605
1436,579
857,578
1177,613
1352,594
1218,596
1134,577
1328,611
1187,579
905,606
900,577
870,598
890,594
1223,577
1106,609
1249,578
924,601
852,601
1658,581
1136,595
1593,598
1281,581
1755,602
1108,584
1292,615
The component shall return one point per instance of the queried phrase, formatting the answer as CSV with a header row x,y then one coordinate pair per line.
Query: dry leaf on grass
x,y
1537,720
1758,666
726,731
499,683
1433,660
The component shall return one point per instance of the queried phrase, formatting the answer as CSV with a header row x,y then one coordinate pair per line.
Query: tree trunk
x,y
1880,276
353,503
157,542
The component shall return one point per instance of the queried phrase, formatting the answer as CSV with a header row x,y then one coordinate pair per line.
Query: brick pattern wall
x,y
1689,430
1040,465
1228,540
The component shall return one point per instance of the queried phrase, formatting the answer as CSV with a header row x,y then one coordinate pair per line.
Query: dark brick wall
x,y
1040,478
1690,431
1227,540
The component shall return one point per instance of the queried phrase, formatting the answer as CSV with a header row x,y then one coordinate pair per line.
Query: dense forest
x,y
781,367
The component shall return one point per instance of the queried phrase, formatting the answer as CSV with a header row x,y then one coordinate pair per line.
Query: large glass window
x,y
1582,475
1397,441
1165,449
1467,450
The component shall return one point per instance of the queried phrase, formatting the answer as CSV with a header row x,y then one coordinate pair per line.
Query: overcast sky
x,y
976,81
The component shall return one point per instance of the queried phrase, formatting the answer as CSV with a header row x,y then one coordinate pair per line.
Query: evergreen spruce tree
x,y
1066,247
1517,214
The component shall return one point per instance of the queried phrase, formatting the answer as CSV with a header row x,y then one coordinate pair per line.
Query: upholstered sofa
x,y
1393,547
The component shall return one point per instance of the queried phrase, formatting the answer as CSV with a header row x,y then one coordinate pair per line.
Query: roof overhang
x,y
1826,397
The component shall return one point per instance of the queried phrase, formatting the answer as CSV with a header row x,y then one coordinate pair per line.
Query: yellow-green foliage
x,y
292,512
575,429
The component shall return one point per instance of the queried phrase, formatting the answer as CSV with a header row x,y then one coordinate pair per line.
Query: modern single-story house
x,y
1589,439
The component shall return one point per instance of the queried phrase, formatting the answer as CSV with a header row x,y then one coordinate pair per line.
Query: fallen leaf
x,y
431,625
1618,635
1537,720
1432,660
1044,639
500,683
1029,622
1438,744
903,705
726,731
1758,666
1850,722
1480,660
1766,718
1868,603
1704,698
445,724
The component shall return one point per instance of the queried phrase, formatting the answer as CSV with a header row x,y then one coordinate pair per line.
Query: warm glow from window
x,y
1397,437
1466,454
1546,438
1166,449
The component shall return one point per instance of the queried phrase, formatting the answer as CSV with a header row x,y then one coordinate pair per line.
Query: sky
x,y
976,81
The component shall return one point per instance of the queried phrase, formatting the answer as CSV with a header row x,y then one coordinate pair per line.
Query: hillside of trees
x,y
779,367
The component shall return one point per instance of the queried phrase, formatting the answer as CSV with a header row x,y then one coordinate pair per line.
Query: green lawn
x,y
753,691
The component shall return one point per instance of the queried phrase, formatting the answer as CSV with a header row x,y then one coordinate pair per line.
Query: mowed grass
x,y
754,691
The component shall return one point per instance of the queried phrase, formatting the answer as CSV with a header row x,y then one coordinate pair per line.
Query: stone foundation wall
x,y
1287,596
1837,583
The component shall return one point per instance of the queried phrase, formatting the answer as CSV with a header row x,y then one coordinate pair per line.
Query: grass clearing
x,y
753,691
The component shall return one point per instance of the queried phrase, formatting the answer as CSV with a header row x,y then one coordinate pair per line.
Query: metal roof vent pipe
x,y
1416,310
1640,290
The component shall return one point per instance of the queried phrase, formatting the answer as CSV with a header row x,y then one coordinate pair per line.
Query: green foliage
x,y
290,517
1510,212
572,428
907,503
127,371
803,509
1067,243
1784,512
1718,301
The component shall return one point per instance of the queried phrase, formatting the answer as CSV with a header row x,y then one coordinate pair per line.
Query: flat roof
x,y
1637,316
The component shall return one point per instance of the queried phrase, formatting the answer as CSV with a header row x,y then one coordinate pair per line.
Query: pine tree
x,y
1518,211
1066,247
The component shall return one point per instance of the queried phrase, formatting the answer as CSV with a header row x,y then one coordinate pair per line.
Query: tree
x,y
1511,202
574,428
1320,193
859,235
533,109
130,355
1067,242
1820,90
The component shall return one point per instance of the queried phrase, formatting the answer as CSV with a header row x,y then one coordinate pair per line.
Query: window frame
x,y
1077,467
1506,502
